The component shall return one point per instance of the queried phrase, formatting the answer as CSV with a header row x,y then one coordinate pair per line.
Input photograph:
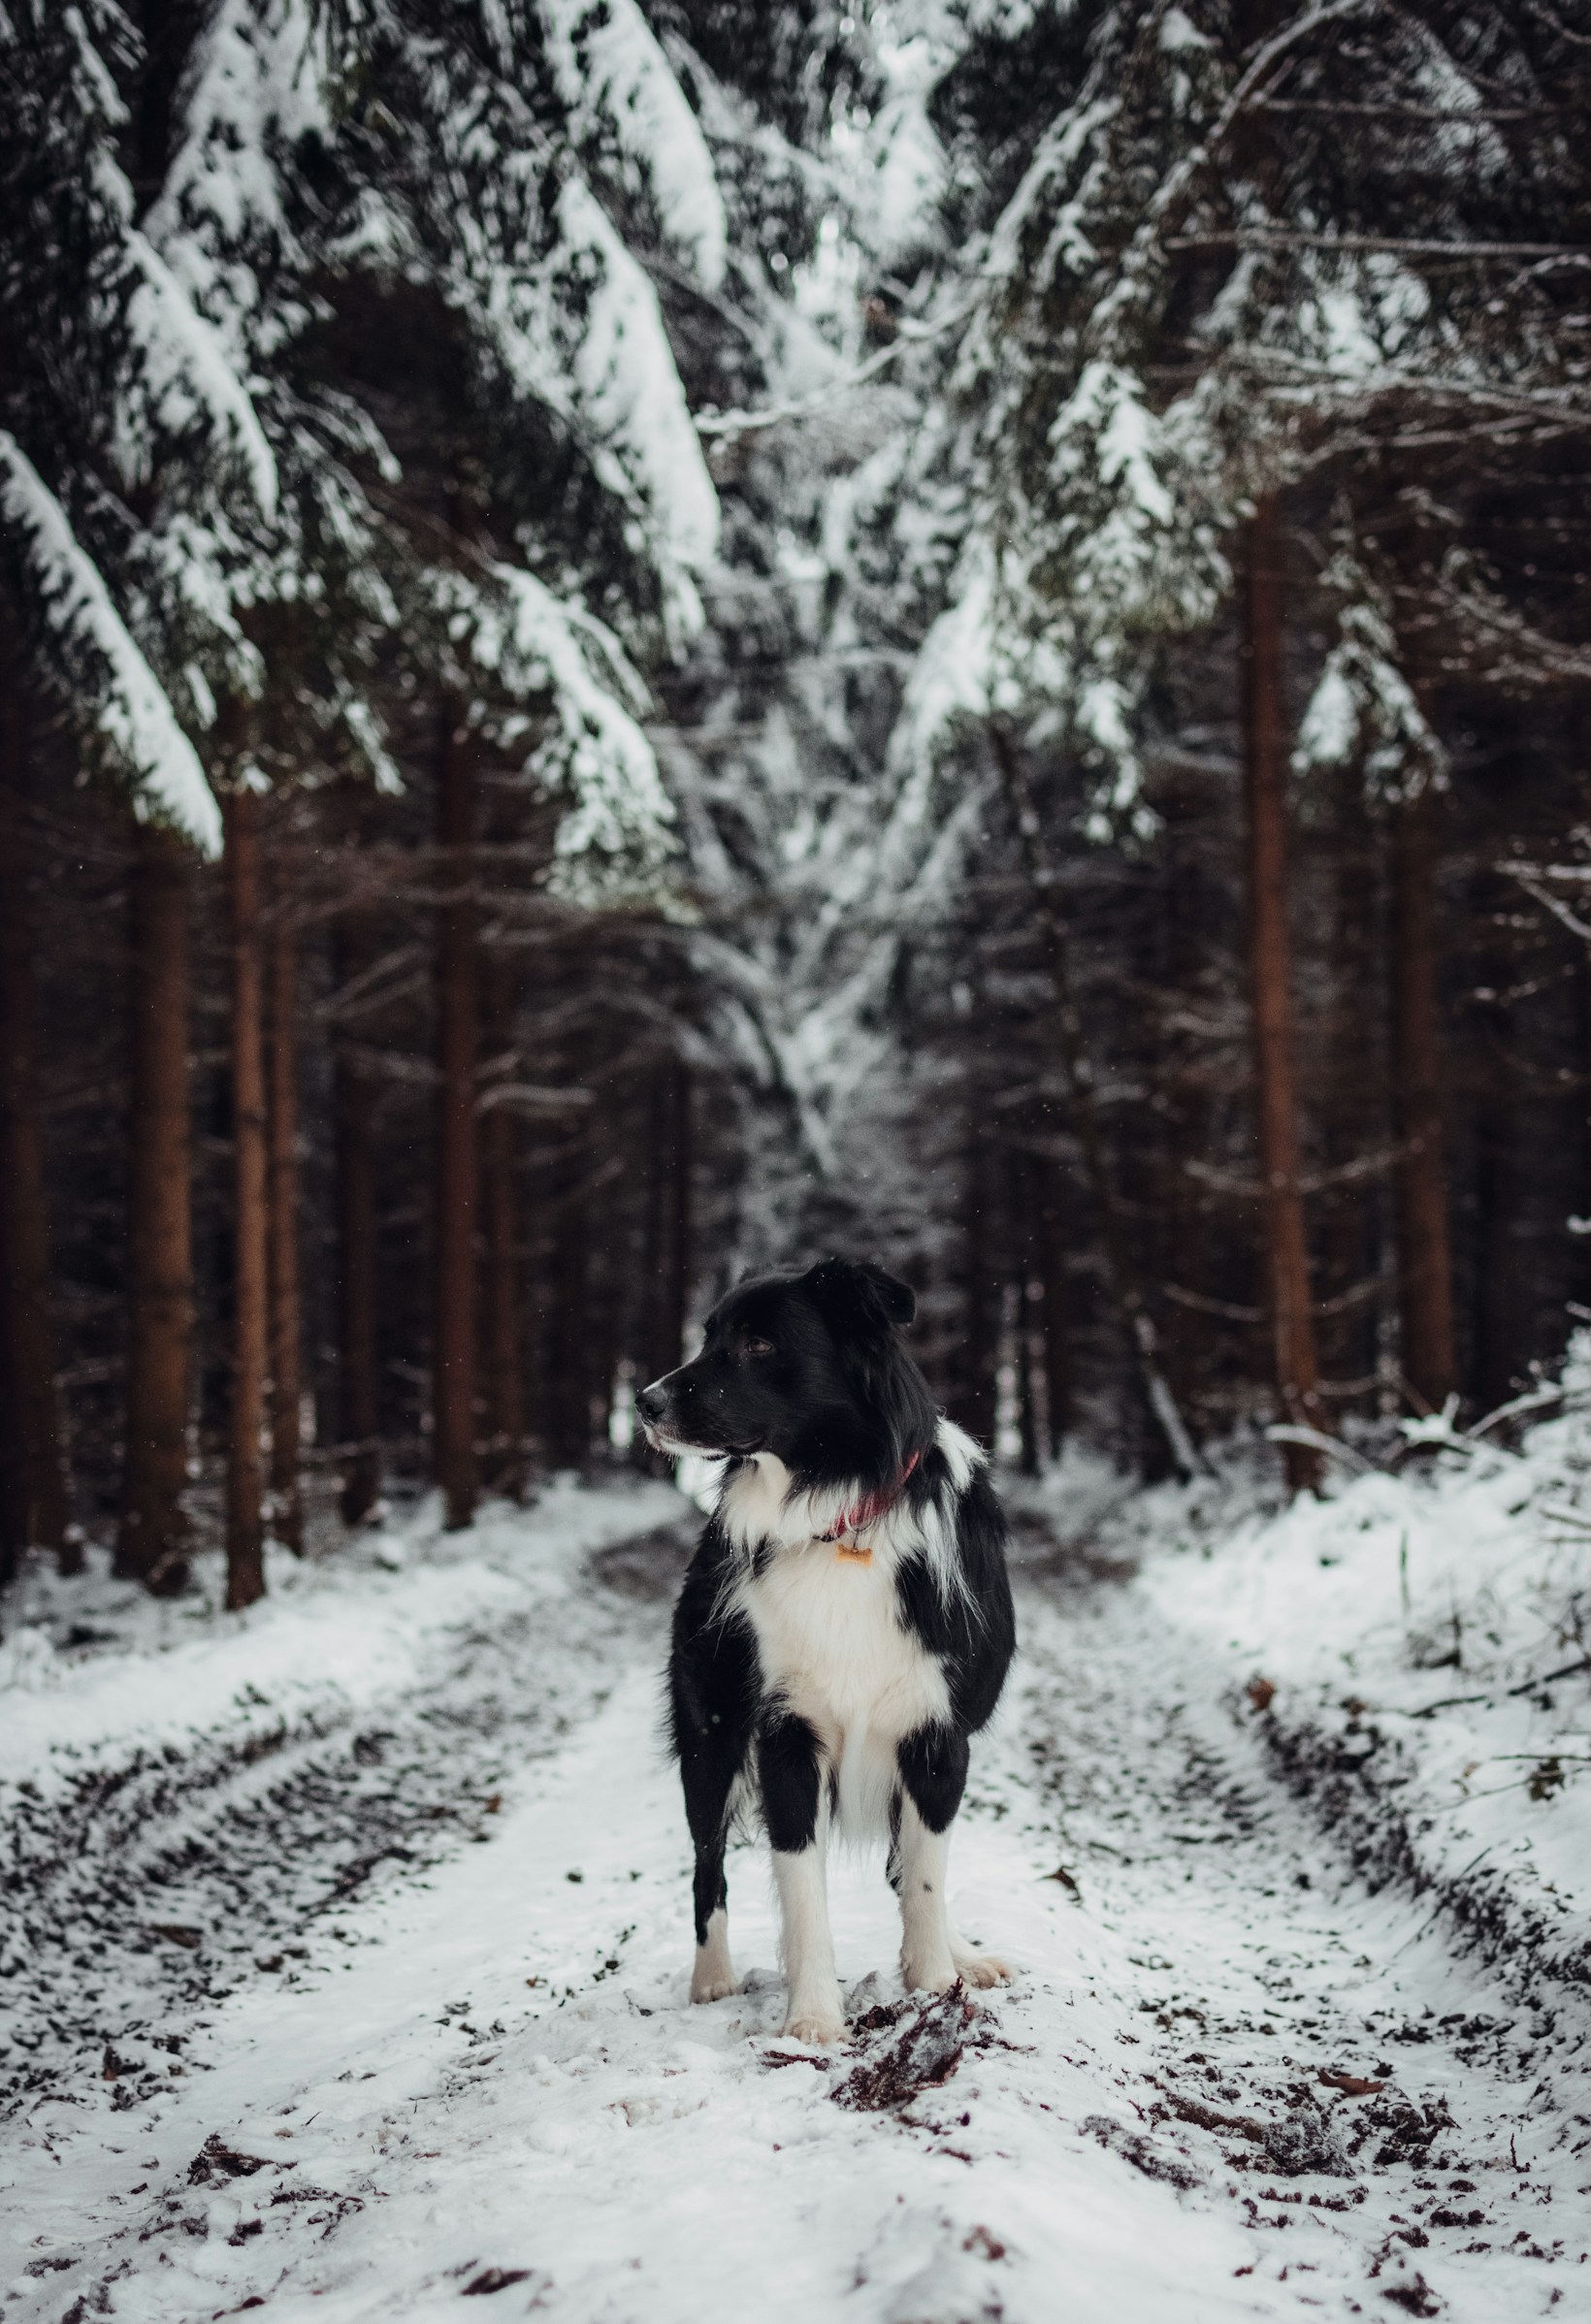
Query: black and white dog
x,y
845,1624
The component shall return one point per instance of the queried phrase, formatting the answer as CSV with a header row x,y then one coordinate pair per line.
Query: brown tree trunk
x,y
1501,1336
658,1321
34,1514
501,1223
1049,1221
357,1314
1348,1235
1265,773
653,1357
676,1301
1425,1274
567,1367
286,1327
453,1393
152,1541
1121,1272
251,1270
975,1404
1021,1177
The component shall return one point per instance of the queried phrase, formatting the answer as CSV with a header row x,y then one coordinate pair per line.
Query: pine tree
x,y
250,1218
286,1353
153,1539
34,1510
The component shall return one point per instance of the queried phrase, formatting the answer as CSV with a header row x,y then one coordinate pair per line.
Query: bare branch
x,y
1266,238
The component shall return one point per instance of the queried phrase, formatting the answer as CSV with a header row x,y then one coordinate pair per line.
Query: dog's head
x,y
808,1366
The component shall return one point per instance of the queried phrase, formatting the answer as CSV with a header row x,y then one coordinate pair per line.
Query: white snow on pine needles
x,y
183,384
616,833
117,689
618,83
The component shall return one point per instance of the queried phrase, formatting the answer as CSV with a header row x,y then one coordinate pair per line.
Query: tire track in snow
x,y
501,2083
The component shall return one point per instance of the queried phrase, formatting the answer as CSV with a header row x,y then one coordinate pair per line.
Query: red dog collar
x,y
872,1506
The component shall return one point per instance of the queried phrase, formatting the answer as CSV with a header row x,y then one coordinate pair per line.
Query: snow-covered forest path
x,y
469,2068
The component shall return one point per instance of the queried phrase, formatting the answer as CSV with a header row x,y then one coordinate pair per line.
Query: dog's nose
x,y
652,1403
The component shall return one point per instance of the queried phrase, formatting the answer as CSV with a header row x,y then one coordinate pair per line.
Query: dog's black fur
x,y
808,1370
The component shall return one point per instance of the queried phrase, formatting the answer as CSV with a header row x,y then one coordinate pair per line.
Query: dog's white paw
x,y
713,1984
937,1979
982,1970
814,2026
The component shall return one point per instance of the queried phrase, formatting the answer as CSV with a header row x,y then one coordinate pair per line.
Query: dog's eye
x,y
757,1347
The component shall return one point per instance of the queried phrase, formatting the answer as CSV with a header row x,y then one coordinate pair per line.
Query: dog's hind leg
x,y
795,1810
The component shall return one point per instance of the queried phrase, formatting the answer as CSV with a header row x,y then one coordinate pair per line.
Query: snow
x,y
479,2070
1415,1621
221,220
1106,401
909,161
115,687
1362,703
353,1628
617,834
182,382
582,332
615,77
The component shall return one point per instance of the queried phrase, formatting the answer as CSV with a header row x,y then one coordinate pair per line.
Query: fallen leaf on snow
x,y
924,2052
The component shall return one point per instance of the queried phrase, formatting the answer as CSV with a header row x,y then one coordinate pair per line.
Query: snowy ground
x,y
349,1964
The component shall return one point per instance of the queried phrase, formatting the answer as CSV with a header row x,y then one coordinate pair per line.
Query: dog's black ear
x,y
859,1299
898,1299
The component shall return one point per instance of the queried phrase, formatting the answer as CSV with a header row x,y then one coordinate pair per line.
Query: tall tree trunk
x,y
1348,1232
1501,1338
286,1326
500,1222
1425,1273
358,1351
1265,773
453,1394
659,1322
979,1360
1047,1181
34,1514
676,1301
652,1356
152,1541
1123,1278
568,1366
250,1272
1021,1174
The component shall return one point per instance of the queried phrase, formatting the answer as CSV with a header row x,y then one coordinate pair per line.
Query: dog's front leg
x,y
796,1813
933,1774
926,1960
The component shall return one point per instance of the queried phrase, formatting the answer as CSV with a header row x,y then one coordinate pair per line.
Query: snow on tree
x,y
113,686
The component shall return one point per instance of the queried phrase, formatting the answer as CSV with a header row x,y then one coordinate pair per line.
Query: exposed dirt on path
x,y
1228,2081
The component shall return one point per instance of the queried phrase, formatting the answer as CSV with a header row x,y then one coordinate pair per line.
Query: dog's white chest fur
x,y
830,1642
